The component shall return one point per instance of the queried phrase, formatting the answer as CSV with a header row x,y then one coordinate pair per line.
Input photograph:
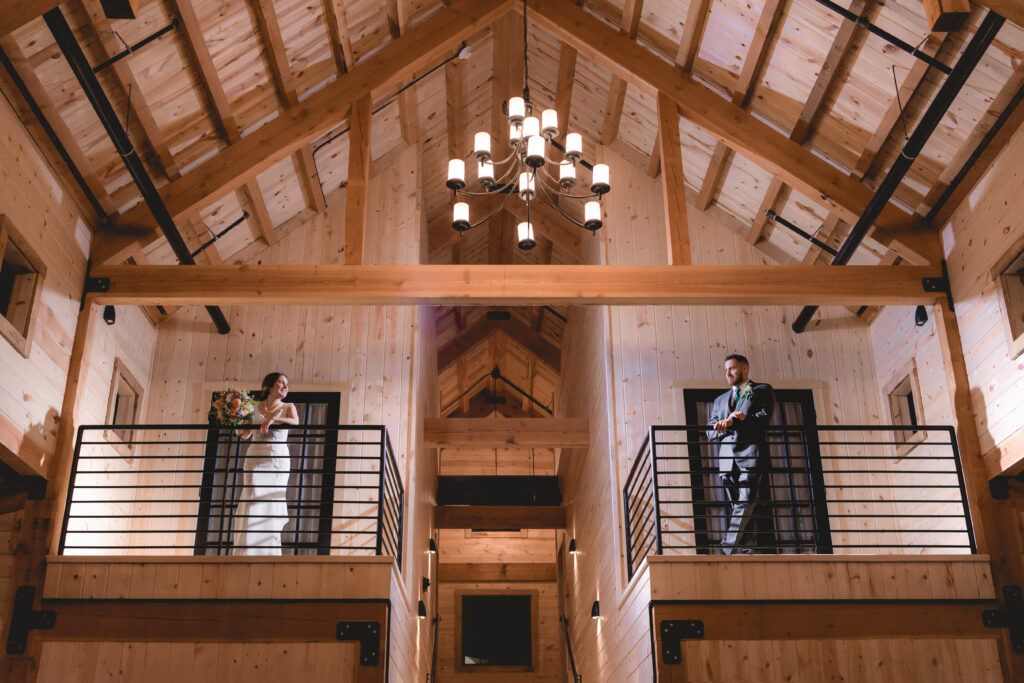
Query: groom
x,y
739,420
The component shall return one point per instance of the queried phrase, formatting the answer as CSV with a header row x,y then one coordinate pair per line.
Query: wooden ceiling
x,y
253,106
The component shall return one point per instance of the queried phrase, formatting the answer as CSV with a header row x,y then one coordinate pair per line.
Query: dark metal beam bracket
x,y
940,284
367,634
1011,617
24,619
673,632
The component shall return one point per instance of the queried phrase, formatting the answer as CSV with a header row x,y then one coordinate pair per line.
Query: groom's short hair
x,y
736,356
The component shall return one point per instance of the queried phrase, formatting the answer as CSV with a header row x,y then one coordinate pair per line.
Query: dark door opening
x,y
792,516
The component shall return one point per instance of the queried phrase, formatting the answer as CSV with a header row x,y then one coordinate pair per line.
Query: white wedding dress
x,y
263,506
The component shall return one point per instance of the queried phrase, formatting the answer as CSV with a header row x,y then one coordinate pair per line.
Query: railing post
x,y
963,489
380,490
654,489
629,530
71,490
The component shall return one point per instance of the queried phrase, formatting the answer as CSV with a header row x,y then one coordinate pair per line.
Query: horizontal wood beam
x,y
499,517
832,619
490,432
208,620
298,125
496,571
742,132
15,13
514,285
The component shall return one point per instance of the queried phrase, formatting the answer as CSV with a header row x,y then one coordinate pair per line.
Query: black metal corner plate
x,y
25,619
367,634
1011,617
940,284
673,632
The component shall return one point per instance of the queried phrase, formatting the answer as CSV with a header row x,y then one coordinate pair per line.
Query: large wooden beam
x,y
798,167
489,432
422,46
673,183
515,285
498,517
359,164
15,13
946,15
476,572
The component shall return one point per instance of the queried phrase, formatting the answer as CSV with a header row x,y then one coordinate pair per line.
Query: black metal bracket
x,y
940,284
1011,617
999,487
673,632
35,487
367,634
24,619
92,284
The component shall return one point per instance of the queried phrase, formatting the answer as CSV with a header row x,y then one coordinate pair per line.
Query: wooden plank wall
x,y
978,235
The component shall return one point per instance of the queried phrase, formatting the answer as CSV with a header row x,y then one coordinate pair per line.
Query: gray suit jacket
x,y
746,443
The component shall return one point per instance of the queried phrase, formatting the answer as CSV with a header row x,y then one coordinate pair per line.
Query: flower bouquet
x,y
232,407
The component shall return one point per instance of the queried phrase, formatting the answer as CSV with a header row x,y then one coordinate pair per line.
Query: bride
x,y
262,507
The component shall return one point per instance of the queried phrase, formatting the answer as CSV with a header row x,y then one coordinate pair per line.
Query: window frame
x,y
908,373
121,372
1014,331
534,667
21,341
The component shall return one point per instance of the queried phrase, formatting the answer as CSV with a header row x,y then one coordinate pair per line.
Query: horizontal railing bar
x,y
781,429
800,515
834,531
187,531
215,486
827,486
177,456
232,470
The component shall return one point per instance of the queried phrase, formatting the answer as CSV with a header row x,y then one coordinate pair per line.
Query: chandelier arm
x,y
559,210
510,172
493,213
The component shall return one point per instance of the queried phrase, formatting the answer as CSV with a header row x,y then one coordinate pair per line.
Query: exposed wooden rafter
x,y
673,182
632,10
359,165
693,32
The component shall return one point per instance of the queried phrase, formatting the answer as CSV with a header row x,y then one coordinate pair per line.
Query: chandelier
x,y
527,171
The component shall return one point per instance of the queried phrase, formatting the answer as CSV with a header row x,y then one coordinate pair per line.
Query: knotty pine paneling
x,y
977,236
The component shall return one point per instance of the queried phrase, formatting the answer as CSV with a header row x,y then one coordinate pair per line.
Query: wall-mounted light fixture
x,y
572,546
426,584
921,316
595,610
421,610
432,546
109,317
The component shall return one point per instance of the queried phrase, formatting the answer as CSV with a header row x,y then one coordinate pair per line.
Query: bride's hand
x,y
265,427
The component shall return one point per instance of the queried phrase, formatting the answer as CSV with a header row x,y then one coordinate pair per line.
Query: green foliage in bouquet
x,y
232,407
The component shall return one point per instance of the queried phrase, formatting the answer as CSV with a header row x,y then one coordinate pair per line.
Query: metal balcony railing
x,y
838,489
202,490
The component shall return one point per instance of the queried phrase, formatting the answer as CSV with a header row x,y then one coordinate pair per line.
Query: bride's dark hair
x,y
268,382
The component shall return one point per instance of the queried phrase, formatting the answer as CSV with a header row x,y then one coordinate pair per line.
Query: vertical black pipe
x,y
72,51
936,110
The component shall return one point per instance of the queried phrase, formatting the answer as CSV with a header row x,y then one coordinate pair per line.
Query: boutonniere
x,y
747,391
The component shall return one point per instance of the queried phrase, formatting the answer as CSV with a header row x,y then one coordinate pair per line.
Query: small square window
x,y
21,279
905,409
124,406
496,632
1009,276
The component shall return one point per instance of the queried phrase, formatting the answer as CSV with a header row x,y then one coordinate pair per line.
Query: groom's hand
x,y
722,426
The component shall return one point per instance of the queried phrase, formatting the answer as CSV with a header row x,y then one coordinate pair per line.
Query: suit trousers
x,y
741,487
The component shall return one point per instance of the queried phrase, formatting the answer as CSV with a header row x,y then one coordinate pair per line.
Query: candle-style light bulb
x,y
527,189
549,123
516,109
535,151
573,147
600,184
524,231
592,216
531,126
482,146
515,133
485,174
566,175
460,216
456,175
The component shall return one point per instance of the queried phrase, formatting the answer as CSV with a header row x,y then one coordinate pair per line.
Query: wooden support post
x,y
40,529
946,15
995,529
673,183
358,180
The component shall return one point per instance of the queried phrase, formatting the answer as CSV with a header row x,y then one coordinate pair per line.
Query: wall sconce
x,y
432,547
920,316
421,610
572,546
595,610
426,584
109,317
